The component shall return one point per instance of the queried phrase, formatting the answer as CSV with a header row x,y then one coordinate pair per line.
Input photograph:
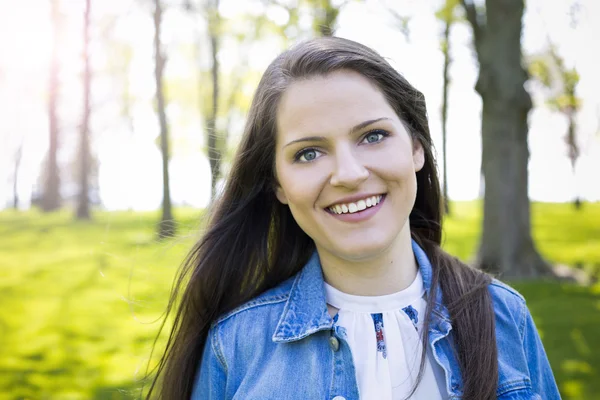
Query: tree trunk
x,y
166,227
507,248
51,195
83,202
446,51
573,153
214,150
18,157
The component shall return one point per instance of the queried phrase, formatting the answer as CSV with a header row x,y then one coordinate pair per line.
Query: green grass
x,y
80,302
563,235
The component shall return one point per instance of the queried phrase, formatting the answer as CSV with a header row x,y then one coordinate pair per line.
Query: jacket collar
x,y
427,274
305,311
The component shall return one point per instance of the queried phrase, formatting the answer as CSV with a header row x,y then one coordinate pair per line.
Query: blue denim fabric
x,y
283,345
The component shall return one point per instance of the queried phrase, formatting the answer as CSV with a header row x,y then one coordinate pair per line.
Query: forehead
x,y
330,103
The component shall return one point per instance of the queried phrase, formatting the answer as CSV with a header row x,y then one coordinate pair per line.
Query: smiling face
x,y
346,166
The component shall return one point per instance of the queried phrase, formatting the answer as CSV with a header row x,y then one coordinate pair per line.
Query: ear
x,y
418,155
281,195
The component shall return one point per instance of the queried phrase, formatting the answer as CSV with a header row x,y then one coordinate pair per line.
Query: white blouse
x,y
383,333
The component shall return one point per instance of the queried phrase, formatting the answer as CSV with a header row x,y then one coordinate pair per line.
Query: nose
x,y
349,171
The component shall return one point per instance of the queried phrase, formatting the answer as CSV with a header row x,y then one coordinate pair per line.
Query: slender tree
x,y
507,247
446,14
209,9
83,201
214,148
550,70
51,194
166,227
18,158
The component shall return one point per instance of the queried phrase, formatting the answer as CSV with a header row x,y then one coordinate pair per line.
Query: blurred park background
x,y
119,120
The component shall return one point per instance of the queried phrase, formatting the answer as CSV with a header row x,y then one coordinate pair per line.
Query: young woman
x,y
320,274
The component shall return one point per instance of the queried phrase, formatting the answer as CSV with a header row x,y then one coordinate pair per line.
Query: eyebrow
x,y
354,129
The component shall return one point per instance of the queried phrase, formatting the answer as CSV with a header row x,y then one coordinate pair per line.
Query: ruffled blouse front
x,y
383,333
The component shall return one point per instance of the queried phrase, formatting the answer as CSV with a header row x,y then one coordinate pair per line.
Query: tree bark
x,y
166,227
446,50
51,195
83,201
507,247
214,150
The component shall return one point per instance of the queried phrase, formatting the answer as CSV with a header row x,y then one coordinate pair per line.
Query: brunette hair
x,y
252,242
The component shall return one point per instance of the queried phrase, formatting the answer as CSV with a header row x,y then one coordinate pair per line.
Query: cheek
x,y
393,166
302,184
299,190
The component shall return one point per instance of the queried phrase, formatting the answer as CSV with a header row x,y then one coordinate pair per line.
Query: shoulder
x,y
242,332
522,360
501,291
256,318
510,308
263,303
278,294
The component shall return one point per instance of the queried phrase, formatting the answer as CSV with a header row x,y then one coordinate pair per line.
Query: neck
x,y
390,271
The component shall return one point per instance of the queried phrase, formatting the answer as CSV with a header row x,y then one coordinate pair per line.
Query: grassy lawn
x,y
80,302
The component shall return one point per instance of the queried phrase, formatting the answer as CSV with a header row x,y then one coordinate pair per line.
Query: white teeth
x,y
354,207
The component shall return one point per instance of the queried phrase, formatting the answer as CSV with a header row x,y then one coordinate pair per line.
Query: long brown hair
x,y
252,242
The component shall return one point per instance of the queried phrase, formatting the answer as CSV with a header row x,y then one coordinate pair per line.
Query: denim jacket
x,y
284,345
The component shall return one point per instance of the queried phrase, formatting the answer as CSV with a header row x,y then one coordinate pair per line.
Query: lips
x,y
352,207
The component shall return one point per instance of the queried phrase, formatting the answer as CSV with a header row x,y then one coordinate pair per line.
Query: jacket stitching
x,y
523,322
218,350
253,304
302,335
513,385
286,308
507,288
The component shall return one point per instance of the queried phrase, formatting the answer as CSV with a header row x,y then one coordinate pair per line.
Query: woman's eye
x,y
307,155
374,137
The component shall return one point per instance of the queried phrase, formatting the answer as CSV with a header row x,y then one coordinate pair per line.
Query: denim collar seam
x,y
513,385
287,306
501,285
253,304
306,330
218,348
523,321
302,335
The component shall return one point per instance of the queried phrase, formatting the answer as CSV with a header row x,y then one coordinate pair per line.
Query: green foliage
x,y
539,69
324,16
449,12
549,69
80,302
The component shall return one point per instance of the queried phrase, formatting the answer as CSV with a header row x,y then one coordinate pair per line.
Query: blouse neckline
x,y
375,304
